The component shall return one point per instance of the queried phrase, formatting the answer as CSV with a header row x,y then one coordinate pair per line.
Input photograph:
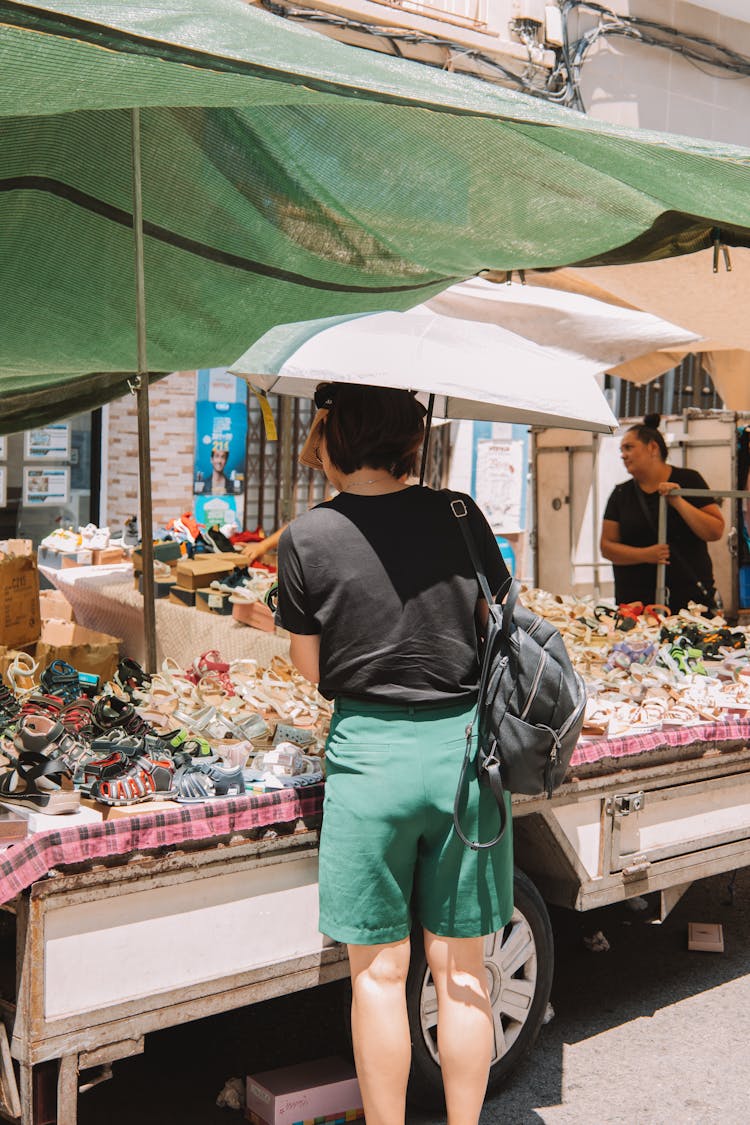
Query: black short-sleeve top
x,y
690,562
388,584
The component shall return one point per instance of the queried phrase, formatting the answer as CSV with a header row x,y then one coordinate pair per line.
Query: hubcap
x,y
510,960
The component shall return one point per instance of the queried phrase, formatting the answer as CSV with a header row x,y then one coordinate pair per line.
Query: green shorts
x,y
388,850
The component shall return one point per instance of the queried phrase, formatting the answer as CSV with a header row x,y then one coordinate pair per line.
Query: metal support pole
x,y
661,531
595,510
140,387
285,455
426,442
661,568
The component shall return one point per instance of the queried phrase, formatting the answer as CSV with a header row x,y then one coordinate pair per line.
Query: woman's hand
x,y
657,553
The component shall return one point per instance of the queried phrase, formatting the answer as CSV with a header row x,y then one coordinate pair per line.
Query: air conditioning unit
x,y
528,10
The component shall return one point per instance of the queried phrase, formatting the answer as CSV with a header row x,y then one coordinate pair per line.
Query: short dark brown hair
x,y
374,426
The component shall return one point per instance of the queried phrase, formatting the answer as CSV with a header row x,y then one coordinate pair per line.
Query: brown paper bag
x,y
19,602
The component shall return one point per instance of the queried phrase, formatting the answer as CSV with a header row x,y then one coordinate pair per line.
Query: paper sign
x,y
3,449
499,484
46,487
50,443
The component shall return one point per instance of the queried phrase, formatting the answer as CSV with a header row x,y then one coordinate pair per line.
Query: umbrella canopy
x,y
486,351
686,291
287,177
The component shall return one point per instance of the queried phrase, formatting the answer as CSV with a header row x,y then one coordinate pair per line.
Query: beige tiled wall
x,y
172,402
628,83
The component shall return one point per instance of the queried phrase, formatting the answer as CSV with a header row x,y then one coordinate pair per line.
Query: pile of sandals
x,y
182,735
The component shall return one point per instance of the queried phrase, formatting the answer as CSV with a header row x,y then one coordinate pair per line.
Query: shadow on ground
x,y
647,967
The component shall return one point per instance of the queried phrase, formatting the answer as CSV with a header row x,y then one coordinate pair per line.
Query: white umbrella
x,y
484,351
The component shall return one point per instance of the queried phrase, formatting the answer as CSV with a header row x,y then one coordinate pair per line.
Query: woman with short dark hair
x,y
629,528
379,594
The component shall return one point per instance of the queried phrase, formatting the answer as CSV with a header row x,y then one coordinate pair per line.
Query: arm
x,y
621,554
707,522
304,652
253,551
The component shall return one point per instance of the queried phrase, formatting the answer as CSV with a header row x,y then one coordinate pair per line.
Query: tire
x,y
519,994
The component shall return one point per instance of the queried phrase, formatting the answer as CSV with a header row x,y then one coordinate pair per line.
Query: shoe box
x,y
167,551
181,596
82,556
120,812
323,1090
161,589
255,614
197,573
213,601
56,560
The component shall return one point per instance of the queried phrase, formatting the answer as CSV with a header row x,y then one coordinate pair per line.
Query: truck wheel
x,y
520,963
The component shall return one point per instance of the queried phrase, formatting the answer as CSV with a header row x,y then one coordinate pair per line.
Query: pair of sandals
x,y
135,771
41,764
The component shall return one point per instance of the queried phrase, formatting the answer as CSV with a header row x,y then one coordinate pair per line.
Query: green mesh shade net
x,y
286,177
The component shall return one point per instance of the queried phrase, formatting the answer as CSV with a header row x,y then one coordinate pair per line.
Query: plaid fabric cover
x,y
25,862
595,749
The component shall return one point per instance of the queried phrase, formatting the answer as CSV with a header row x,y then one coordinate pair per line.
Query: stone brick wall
x,y
172,403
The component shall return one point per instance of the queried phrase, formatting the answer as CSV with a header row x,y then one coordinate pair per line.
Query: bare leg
x,y
380,1028
465,1034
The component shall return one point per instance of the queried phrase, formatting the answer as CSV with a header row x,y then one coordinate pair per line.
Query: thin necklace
x,y
364,483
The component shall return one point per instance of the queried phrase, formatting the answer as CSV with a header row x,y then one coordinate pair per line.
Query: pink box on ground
x,y
325,1090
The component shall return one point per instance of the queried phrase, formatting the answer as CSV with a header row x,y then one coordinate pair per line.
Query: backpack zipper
x,y
535,684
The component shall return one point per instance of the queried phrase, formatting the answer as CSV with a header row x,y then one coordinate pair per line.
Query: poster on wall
x,y
3,449
499,483
220,441
3,487
50,443
46,487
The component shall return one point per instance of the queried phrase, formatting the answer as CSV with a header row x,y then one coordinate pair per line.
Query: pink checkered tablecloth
x,y
31,859
596,749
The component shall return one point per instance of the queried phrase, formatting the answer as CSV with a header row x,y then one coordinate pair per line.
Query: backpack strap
x,y
490,766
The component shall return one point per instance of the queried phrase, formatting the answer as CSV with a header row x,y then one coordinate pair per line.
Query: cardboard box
x,y
180,596
107,555
55,560
255,614
168,551
20,623
326,1089
86,650
707,937
53,604
161,589
118,812
213,601
197,573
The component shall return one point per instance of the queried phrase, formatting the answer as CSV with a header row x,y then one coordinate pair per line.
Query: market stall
x,y
114,607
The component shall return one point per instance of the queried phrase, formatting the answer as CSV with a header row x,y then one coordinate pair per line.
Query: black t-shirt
x,y
388,583
690,562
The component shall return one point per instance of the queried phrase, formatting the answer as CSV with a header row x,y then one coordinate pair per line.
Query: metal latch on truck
x,y
623,804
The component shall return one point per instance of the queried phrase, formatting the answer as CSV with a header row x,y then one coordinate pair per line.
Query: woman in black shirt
x,y
379,594
629,528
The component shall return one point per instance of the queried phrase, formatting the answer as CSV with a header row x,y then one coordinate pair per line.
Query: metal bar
x,y
661,536
285,468
595,510
661,568
141,390
426,442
